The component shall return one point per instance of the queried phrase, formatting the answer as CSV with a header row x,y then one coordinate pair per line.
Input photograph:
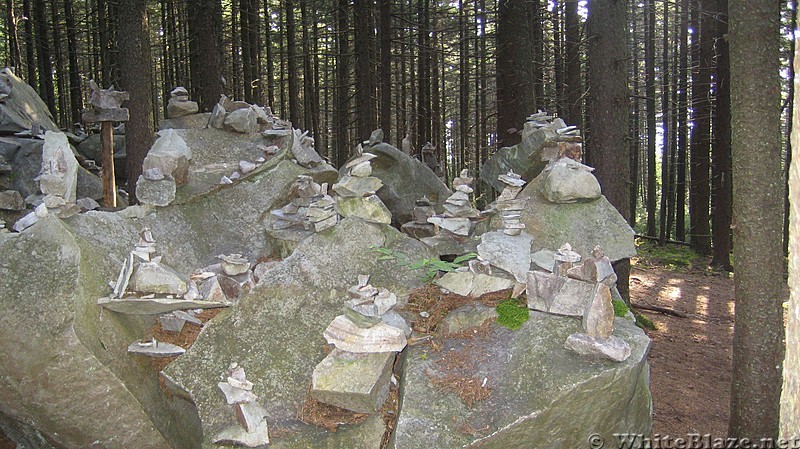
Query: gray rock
x,y
465,317
465,283
282,322
507,252
155,349
217,117
584,225
155,277
457,225
59,173
568,181
171,322
353,187
303,151
179,108
356,382
598,318
114,399
544,259
241,121
560,295
193,121
234,395
23,108
237,436
152,306
11,200
348,336
525,158
394,319
156,193
369,208
542,395
613,348
170,155
405,181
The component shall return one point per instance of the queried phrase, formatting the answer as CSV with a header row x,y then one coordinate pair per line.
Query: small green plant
x,y
511,314
620,308
644,322
432,267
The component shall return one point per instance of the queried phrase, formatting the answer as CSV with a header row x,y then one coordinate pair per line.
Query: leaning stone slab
x,y
153,306
348,336
356,382
59,174
155,277
511,253
560,295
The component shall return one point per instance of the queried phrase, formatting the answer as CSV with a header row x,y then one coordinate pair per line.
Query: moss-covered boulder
x,y
529,391
275,332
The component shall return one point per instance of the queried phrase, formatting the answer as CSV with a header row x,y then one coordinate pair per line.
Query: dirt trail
x,y
690,358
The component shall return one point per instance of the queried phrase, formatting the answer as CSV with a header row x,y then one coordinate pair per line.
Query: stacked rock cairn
x,y
459,213
251,429
179,104
356,191
510,205
356,375
297,213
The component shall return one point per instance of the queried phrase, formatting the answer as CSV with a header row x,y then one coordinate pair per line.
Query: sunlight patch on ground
x,y
702,305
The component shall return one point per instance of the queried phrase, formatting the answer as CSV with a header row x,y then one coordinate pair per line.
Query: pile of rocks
x,y
303,150
179,104
356,191
310,207
566,180
509,205
165,167
457,219
357,373
240,116
420,228
579,290
251,429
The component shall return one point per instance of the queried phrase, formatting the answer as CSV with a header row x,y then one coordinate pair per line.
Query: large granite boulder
x,y
66,380
22,108
276,332
405,181
583,225
541,394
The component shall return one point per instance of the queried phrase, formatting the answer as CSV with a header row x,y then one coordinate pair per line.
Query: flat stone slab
x,y
466,283
237,436
153,306
560,295
613,348
155,349
507,252
357,382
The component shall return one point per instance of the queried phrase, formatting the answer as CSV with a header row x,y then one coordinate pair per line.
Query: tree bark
x,y
721,150
515,86
75,91
386,68
607,104
14,58
30,47
342,115
572,56
366,120
204,26
663,230
682,129
46,89
650,105
291,61
757,207
136,79
790,399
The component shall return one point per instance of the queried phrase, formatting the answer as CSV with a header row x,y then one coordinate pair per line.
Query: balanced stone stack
x,y
579,290
303,150
459,213
179,104
165,167
509,204
356,191
357,373
251,428
240,116
58,177
420,228
321,213
296,213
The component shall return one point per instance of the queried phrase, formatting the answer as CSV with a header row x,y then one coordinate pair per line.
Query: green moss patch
x,y
512,314
620,308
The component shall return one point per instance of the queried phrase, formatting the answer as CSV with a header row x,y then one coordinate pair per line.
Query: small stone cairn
x,y
310,207
459,214
356,189
179,104
251,429
419,227
357,373
165,167
510,205
579,290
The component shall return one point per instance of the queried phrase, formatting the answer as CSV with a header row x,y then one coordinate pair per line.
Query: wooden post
x,y
106,110
109,182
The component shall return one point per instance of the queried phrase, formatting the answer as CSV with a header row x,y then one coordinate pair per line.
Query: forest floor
x,y
690,357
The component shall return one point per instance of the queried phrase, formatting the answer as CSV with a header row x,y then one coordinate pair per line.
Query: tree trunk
x,y
30,47
682,129
537,32
136,80
46,90
291,60
663,230
342,115
790,399
386,68
61,72
754,40
789,121
204,26
515,87
558,61
14,58
699,189
721,150
75,94
572,56
607,105
635,128
650,104
364,69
